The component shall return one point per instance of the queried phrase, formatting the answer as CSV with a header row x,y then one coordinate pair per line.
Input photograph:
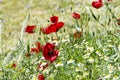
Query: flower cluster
x,y
53,27
48,50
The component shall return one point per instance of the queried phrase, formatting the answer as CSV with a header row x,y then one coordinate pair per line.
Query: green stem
x,y
96,18
77,25
110,11
24,25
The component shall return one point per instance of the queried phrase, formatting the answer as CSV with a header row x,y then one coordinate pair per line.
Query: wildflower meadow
x,y
59,39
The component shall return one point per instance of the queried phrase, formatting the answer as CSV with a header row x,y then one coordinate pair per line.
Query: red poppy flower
x,y
54,19
59,25
41,77
13,65
118,21
49,52
109,0
52,28
34,50
30,29
97,4
38,46
76,15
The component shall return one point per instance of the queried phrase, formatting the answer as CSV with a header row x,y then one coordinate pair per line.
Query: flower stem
x,y
77,26
110,11
24,25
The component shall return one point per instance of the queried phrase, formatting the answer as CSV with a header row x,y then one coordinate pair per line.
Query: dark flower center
x,y
50,53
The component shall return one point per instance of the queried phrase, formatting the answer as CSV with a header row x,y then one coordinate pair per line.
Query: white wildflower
x,y
67,36
116,77
65,40
81,65
98,53
111,68
86,55
106,58
70,61
42,58
91,49
85,74
110,45
43,64
77,69
34,77
109,40
119,48
78,77
107,76
59,64
46,71
76,45
91,60
56,42
105,50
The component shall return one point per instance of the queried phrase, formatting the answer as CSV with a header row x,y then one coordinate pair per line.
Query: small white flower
x,y
111,68
105,50
116,77
34,77
108,59
91,49
56,42
67,36
108,76
83,42
98,53
110,45
63,58
86,43
43,64
91,60
65,40
42,58
85,74
119,48
59,64
77,69
109,40
81,65
86,55
78,77
76,45
46,71
0,51
70,61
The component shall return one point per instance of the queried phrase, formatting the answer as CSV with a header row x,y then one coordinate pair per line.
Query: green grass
x,y
95,55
